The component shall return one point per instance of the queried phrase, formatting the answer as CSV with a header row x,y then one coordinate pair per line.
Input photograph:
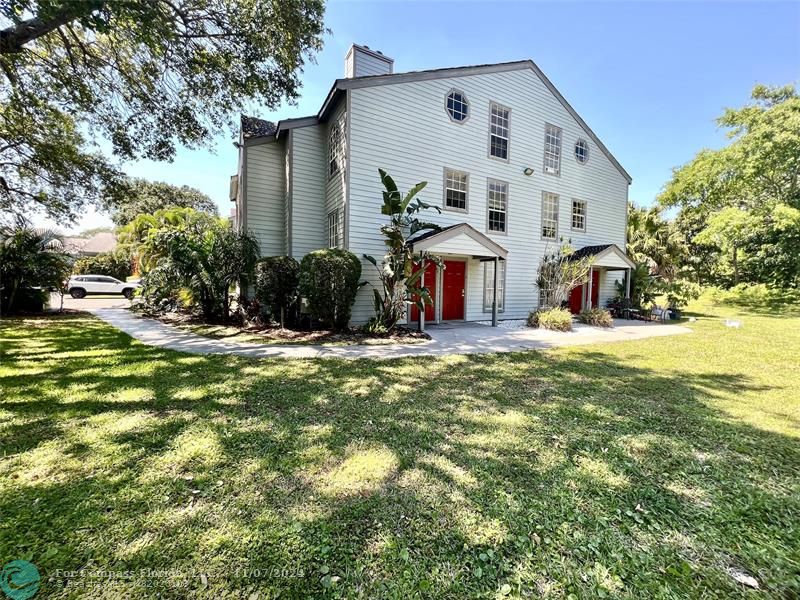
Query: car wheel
x,y
77,293
128,293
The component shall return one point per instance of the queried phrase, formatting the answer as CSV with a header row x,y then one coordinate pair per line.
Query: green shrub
x,y
329,280
557,319
596,316
277,282
680,292
111,264
755,296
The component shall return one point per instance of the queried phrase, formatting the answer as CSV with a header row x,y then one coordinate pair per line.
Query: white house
x,y
511,164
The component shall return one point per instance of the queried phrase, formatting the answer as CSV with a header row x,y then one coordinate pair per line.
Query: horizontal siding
x,y
265,196
309,217
369,65
404,129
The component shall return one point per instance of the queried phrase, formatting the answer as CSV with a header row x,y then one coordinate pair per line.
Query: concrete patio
x,y
450,338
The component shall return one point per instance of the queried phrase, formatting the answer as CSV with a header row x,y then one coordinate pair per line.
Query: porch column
x,y
627,283
589,292
421,324
494,292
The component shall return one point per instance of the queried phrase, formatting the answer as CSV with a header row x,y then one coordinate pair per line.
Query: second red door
x,y
453,289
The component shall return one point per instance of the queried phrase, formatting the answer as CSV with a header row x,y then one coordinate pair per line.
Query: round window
x,y
581,151
457,106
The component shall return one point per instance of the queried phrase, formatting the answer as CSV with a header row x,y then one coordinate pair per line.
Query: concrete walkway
x,y
460,338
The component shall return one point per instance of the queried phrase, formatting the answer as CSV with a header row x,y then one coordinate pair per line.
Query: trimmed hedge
x,y
277,284
596,316
329,280
557,319
110,264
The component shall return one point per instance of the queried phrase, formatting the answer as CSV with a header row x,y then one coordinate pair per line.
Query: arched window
x,y
582,151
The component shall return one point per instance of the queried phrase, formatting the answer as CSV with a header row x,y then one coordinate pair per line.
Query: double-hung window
x,y
334,230
336,143
552,149
549,216
456,186
488,285
497,206
498,131
579,215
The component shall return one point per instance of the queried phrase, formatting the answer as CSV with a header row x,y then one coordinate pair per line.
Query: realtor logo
x,y
19,580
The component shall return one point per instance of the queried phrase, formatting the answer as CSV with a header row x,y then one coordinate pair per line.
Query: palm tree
x,y
655,241
30,258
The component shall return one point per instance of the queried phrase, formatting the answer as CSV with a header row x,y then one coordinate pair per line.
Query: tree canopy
x,y
146,75
739,206
140,196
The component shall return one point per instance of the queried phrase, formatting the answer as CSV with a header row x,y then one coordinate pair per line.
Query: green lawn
x,y
636,469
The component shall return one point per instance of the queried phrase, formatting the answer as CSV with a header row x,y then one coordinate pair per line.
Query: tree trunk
x,y
735,265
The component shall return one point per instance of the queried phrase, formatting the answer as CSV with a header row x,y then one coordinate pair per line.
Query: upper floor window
x,y
582,151
456,185
457,106
579,215
336,147
334,231
552,149
498,131
549,216
497,205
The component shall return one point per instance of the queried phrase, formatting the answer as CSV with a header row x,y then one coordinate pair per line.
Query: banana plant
x,y
400,271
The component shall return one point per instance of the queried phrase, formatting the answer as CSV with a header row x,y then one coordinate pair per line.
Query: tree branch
x,y
13,38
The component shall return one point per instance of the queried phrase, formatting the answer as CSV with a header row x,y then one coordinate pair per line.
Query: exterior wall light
x,y
528,171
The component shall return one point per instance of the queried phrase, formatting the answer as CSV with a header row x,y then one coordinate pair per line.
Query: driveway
x,y
90,303
466,338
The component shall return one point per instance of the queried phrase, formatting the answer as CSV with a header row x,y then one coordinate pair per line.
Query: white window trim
x,y
338,151
489,181
560,149
575,150
508,134
334,229
572,214
466,103
557,198
487,300
445,171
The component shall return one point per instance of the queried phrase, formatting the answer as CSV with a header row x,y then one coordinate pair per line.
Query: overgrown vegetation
x,y
399,271
557,319
329,281
32,262
596,316
113,264
183,252
630,470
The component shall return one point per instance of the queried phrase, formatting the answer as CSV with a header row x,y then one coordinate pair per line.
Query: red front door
x,y
453,289
430,283
576,296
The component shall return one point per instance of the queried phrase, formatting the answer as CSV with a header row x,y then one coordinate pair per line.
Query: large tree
x,y
146,75
654,240
739,204
140,196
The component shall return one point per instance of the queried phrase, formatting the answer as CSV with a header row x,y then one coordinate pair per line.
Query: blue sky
x,y
648,77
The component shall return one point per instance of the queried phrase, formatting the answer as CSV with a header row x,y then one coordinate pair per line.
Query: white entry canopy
x,y
461,239
605,255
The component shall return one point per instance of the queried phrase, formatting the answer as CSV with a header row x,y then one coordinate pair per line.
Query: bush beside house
x,y
277,284
599,317
557,319
329,281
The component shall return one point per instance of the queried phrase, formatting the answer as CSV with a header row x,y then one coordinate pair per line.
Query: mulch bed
x,y
276,334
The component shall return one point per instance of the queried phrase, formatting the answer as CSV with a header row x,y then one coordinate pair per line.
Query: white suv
x,y
79,286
